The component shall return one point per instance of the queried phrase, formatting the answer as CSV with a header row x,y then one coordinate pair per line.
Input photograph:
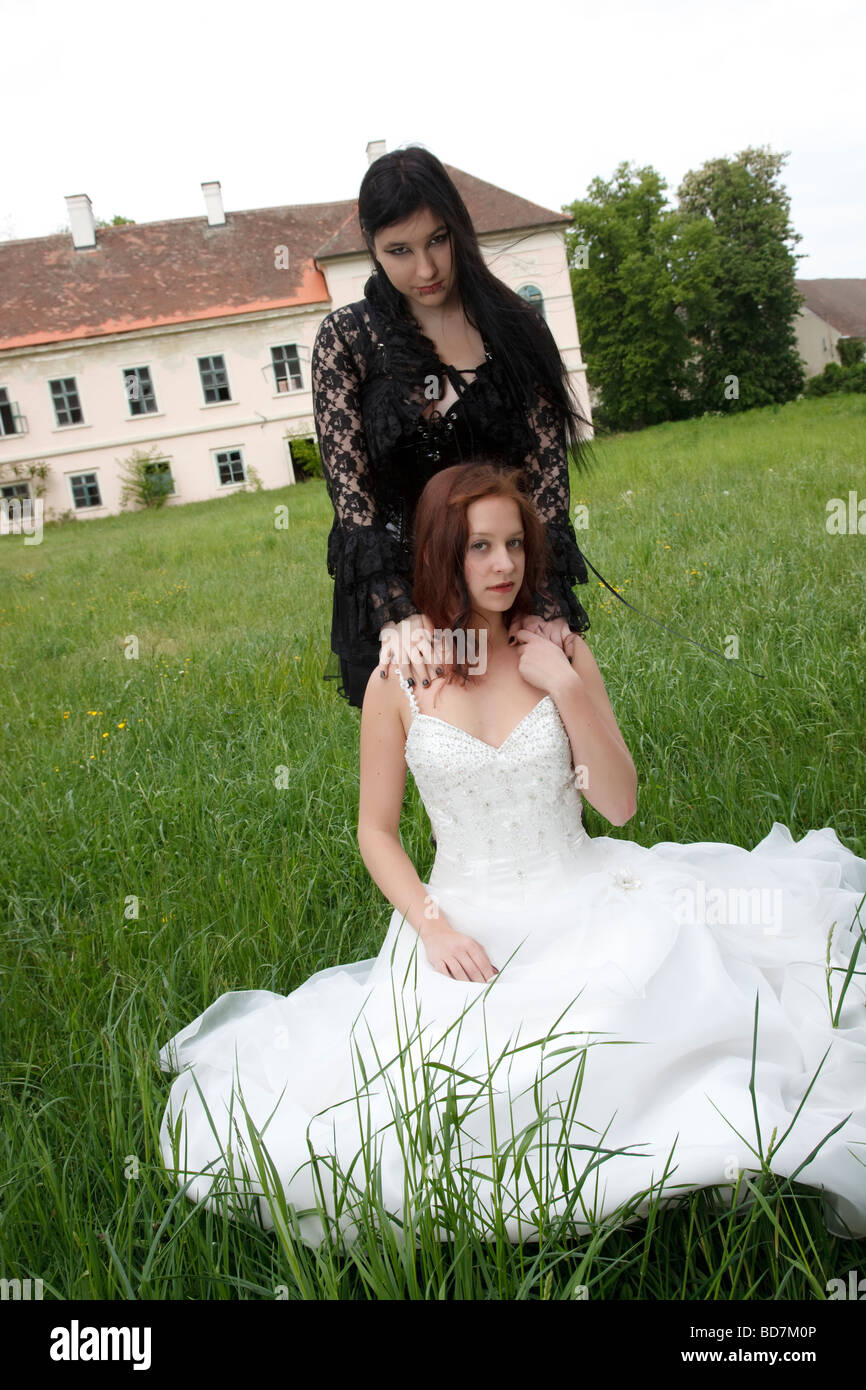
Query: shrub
x,y
146,478
836,378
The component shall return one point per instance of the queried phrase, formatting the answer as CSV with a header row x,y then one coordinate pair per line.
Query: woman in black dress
x,y
392,407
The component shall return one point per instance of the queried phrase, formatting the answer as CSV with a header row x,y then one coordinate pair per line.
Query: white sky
x,y
137,104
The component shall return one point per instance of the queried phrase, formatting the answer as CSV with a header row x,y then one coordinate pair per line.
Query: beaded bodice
x,y
506,820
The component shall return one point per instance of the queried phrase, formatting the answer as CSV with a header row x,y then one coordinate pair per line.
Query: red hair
x,y
441,538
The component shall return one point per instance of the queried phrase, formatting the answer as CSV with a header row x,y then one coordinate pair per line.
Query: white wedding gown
x,y
641,967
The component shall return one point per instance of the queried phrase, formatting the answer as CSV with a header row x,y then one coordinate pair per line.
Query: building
x,y
188,341
833,309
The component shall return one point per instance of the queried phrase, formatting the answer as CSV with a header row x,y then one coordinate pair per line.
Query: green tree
x,y
851,351
747,342
639,275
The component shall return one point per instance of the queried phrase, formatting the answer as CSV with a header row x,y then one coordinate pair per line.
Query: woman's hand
x,y
409,644
456,955
544,664
556,630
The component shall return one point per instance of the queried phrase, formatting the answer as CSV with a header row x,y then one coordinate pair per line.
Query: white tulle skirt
x,y
607,1067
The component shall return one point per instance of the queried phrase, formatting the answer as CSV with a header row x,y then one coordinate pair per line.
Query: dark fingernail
x,y
383,674
425,682
439,670
411,680
511,640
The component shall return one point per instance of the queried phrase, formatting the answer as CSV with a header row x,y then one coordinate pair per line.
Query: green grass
x,y
211,786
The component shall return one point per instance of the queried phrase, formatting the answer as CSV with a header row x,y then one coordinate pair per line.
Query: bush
x,y
145,477
855,379
836,378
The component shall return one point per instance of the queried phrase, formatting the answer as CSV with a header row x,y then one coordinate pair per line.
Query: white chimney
x,y
214,204
81,221
375,148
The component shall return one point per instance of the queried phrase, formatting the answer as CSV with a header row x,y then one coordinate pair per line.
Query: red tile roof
x,y
146,274
151,273
841,302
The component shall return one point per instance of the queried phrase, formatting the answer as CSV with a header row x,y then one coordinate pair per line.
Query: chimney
x,y
81,221
214,204
375,148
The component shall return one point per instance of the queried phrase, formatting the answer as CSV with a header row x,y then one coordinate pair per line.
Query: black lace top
x,y
369,374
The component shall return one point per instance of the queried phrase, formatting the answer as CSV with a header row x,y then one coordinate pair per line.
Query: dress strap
x,y
411,694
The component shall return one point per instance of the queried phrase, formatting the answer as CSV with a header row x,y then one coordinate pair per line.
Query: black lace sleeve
x,y
546,466
363,556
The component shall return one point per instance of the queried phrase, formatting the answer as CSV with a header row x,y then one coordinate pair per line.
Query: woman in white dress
x,y
557,1028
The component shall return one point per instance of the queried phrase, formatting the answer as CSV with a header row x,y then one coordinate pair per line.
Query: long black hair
x,y
401,183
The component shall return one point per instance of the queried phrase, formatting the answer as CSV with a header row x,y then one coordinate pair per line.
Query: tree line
x,y
687,309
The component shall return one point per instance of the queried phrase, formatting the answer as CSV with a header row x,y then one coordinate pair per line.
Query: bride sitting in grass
x,y
555,1031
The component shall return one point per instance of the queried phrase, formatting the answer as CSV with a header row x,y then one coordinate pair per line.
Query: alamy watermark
x,y
467,646
854,1289
842,520
21,1289
22,516
125,1343
729,907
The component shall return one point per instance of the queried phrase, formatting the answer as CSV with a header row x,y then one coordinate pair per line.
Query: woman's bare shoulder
x,y
384,700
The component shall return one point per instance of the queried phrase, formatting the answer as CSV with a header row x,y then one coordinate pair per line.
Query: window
x,y
16,508
214,379
532,294
10,490
159,474
287,368
67,406
139,390
85,491
230,467
11,420
306,462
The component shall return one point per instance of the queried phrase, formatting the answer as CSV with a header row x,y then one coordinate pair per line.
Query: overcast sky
x,y
137,104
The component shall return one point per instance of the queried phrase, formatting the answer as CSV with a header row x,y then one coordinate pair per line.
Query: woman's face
x,y
494,554
415,253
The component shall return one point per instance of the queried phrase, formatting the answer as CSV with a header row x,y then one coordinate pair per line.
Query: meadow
x,y
158,670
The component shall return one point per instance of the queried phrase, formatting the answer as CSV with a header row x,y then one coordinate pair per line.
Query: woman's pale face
x,y
494,554
416,253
